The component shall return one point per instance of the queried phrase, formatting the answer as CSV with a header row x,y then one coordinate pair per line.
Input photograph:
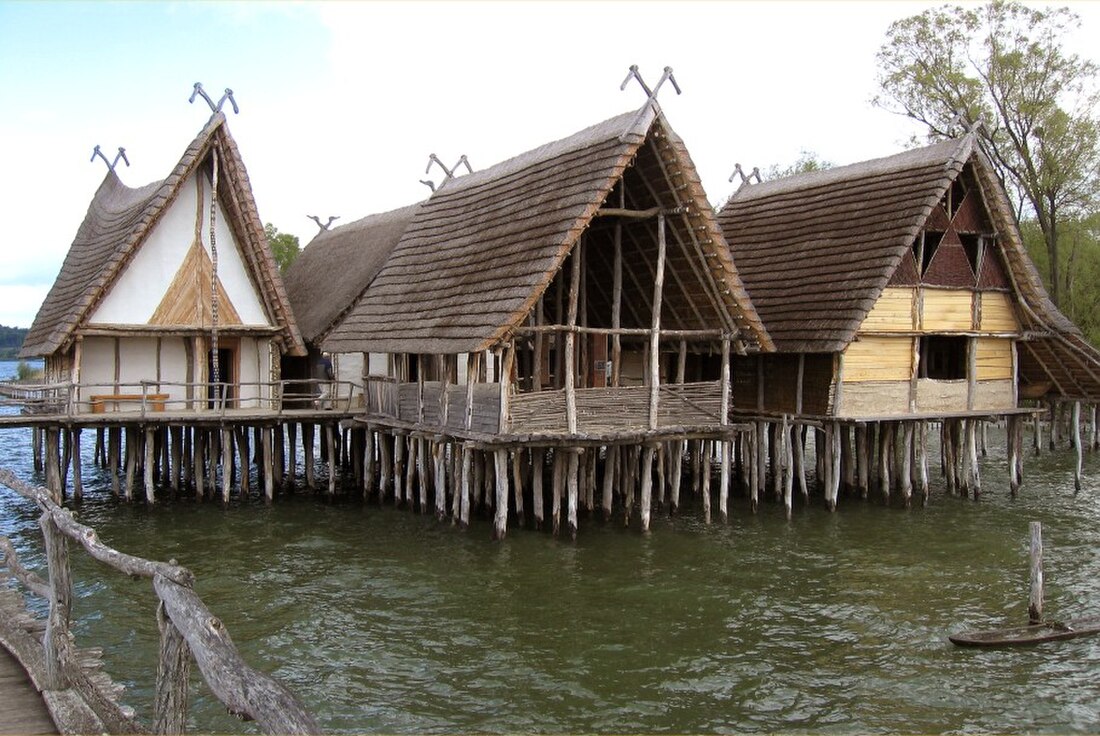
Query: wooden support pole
x,y
1076,440
922,461
308,438
647,486
132,444
974,474
655,338
676,461
464,489
835,477
500,518
114,457
907,462
517,485
608,485
36,448
1035,599
800,461
333,455
279,447
760,464
1010,447
886,443
571,480
788,466
56,638
227,462
825,454
213,443
439,455
292,453
705,487
149,446
268,457
537,467
175,439
53,463
78,482
557,484
570,367
410,467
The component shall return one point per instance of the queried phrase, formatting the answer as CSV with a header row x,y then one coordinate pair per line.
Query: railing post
x,y
173,673
55,641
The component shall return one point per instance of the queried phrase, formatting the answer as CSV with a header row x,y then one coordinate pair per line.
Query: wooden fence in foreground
x,y
83,700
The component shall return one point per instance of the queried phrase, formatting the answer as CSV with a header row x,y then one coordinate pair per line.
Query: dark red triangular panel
x,y
938,219
970,217
906,273
951,238
949,266
992,275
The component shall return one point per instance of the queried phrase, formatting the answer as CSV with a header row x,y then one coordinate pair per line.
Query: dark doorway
x,y
226,380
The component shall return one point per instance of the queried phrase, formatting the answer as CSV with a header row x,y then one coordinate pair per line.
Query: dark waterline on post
x,y
384,620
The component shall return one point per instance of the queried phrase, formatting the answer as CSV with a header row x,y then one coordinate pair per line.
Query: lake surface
x,y
381,620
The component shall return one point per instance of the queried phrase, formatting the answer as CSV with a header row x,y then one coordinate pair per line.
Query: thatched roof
x,y
119,220
815,251
481,251
328,276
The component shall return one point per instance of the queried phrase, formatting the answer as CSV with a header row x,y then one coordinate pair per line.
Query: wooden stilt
x,y
660,460
268,459
439,455
799,451
114,457
279,451
53,463
464,490
1037,434
423,473
820,453
100,452
478,480
1076,438
500,518
537,500
308,438
333,456
213,445
886,443
399,469
292,453
36,448
132,443
557,483
1020,453
78,482
1035,599
982,437
385,461
629,478
227,462
187,461
922,460
907,462
609,468
676,461
175,441
774,460
825,455
149,446
788,467
705,488
1094,434
974,474
646,494
760,453
1010,446
517,486
572,480
696,449
847,457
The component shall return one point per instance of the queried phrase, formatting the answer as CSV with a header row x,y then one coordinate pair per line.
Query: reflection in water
x,y
385,621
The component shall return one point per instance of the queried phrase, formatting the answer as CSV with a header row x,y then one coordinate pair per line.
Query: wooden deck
x,y
22,710
209,418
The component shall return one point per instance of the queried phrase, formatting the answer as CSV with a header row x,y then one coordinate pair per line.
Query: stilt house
x,y
897,289
323,284
580,294
163,280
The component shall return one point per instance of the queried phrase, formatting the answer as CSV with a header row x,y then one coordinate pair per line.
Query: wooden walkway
x,y
22,710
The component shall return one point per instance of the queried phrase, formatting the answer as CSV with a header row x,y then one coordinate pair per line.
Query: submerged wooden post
x,y
788,469
974,476
571,481
647,485
269,476
1035,600
557,482
500,518
227,463
114,457
330,445
906,462
307,446
439,454
1076,445
464,488
55,639
53,463
537,465
834,491
609,470
132,444
705,487
517,485
150,460
1010,447
799,457
78,483
241,441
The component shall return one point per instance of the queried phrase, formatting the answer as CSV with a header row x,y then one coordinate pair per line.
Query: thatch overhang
x,y
477,256
816,250
327,278
120,218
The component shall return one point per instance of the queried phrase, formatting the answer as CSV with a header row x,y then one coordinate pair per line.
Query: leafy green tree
x,y
1003,64
1080,262
807,161
284,246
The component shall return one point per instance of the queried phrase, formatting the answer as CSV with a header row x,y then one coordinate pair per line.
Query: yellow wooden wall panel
x,y
998,314
893,312
994,359
879,359
947,310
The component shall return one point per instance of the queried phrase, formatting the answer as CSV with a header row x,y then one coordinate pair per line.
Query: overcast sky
x,y
340,104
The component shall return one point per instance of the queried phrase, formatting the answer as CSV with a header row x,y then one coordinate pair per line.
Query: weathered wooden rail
x,y
81,699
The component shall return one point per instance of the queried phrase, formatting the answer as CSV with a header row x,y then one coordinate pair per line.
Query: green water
x,y
381,620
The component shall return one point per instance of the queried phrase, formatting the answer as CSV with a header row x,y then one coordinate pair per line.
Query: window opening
x,y
943,358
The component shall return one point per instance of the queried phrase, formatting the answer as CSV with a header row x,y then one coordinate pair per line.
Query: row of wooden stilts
x,y
551,486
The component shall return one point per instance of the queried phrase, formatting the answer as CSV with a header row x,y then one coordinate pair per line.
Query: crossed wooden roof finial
x,y
200,92
111,164
448,174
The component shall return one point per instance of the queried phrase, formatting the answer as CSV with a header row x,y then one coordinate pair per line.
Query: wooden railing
x,y
187,630
151,397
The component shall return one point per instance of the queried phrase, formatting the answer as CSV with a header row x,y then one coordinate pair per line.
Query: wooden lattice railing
x,y
188,630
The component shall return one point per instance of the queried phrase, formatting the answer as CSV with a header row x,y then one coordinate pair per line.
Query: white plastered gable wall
x,y
138,291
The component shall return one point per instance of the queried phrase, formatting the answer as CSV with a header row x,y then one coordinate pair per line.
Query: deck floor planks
x,y
22,710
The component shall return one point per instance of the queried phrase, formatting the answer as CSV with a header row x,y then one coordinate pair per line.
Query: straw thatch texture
x,y
815,250
328,276
118,221
480,252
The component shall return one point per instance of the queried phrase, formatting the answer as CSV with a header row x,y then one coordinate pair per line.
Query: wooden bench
x,y
155,402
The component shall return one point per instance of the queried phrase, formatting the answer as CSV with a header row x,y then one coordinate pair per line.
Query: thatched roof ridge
x,y
815,250
480,251
331,272
119,219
